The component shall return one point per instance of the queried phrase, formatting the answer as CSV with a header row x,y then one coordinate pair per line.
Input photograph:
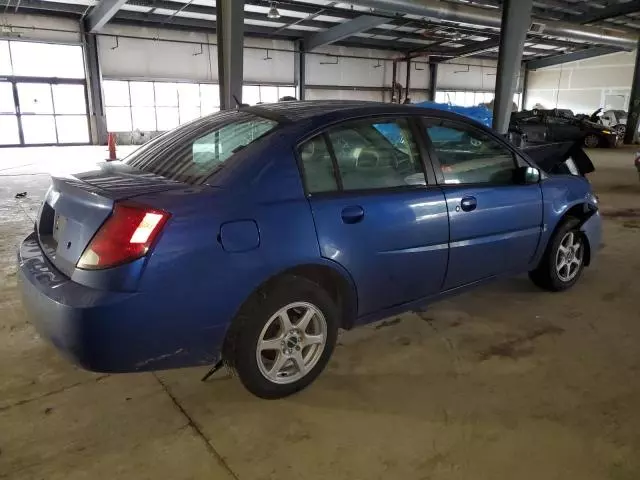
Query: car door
x,y
564,130
535,129
374,210
495,223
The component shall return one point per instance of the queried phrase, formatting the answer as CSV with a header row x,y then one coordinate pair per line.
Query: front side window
x,y
374,155
195,151
467,155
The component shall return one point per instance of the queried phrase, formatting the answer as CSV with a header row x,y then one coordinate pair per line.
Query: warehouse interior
x,y
503,382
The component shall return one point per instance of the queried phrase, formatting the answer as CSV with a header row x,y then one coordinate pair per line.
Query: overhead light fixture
x,y
273,11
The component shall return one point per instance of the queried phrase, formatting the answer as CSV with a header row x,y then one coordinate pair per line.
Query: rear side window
x,y
194,152
467,155
368,155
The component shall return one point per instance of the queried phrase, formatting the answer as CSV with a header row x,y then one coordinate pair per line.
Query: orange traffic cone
x,y
111,142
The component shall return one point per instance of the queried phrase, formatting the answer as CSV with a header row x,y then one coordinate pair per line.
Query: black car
x,y
542,126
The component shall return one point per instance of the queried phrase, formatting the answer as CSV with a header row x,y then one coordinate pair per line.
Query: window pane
x,y
5,58
116,94
166,94
38,129
210,98
251,94
7,105
35,98
441,97
182,155
47,60
470,156
378,155
167,118
189,113
9,130
286,92
188,95
141,94
317,166
69,99
144,118
118,119
469,99
72,129
268,94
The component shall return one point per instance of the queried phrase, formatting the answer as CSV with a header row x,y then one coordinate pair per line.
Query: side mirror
x,y
527,175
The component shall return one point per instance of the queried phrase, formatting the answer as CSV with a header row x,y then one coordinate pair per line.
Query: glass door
x,y
52,113
9,130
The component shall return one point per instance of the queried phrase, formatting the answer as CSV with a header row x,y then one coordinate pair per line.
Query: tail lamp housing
x,y
125,236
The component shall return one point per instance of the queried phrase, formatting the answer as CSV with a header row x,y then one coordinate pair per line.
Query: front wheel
x,y
591,141
563,261
283,338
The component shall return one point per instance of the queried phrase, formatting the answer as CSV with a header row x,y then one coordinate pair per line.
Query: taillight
x,y
125,236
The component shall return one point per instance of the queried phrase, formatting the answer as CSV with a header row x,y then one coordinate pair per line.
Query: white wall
x,y
37,27
162,57
467,74
584,86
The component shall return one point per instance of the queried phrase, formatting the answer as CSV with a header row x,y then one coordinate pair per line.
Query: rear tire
x,y
563,261
282,338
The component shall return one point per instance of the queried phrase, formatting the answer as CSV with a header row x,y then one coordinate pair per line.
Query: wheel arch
x,y
331,278
582,212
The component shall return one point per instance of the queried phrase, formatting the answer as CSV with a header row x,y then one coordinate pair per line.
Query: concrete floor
x,y
506,382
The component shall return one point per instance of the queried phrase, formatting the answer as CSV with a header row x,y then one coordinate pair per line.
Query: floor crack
x,y
191,422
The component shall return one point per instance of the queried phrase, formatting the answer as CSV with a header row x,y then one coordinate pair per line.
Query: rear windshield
x,y
193,152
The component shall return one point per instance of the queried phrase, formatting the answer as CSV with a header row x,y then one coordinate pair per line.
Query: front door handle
x,y
468,204
352,214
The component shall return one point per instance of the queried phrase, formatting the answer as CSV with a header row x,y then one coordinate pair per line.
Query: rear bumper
x,y
107,331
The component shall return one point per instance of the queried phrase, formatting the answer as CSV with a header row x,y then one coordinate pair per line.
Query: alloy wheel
x,y
291,342
569,256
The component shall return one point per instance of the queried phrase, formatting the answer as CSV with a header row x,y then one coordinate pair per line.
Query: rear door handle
x,y
352,214
468,204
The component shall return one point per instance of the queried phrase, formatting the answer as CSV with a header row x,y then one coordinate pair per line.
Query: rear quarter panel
x,y
192,286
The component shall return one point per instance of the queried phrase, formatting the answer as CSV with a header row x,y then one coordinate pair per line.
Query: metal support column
x,y
516,20
394,72
230,32
634,103
433,81
300,70
97,119
525,87
408,84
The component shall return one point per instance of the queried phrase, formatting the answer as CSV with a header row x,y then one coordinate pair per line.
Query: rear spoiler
x,y
560,158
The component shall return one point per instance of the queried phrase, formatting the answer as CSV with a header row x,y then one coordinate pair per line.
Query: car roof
x,y
290,111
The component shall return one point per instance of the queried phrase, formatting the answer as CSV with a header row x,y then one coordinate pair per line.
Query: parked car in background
x,y
253,235
614,119
558,126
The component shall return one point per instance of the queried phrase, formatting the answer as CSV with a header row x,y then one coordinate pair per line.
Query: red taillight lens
x,y
125,236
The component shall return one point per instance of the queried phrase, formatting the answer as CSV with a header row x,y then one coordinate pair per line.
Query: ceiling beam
x,y
611,11
100,15
344,30
475,48
569,57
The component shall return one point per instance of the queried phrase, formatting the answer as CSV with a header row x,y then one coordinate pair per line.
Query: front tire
x,y
591,141
283,337
563,261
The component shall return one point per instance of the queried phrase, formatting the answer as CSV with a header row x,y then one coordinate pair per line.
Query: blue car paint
x,y
181,298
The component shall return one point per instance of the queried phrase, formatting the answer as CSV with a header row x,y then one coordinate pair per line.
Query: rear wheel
x,y
591,141
562,263
283,338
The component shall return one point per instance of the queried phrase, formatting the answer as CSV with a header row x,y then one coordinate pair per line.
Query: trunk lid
x,y
76,205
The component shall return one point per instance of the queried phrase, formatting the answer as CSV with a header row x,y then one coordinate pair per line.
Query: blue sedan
x,y
251,236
